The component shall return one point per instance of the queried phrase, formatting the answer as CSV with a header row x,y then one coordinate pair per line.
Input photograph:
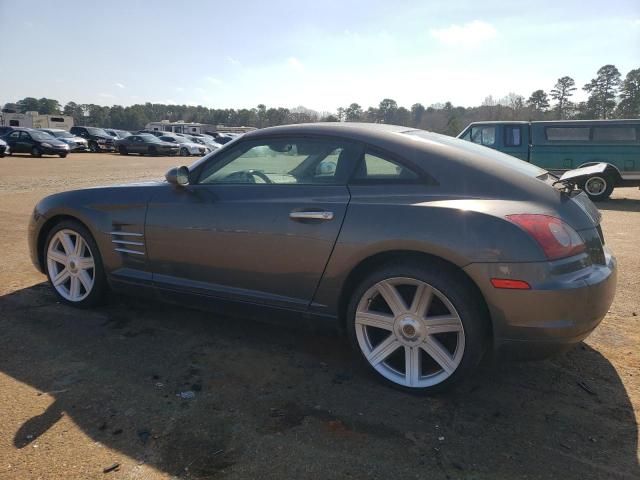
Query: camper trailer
x,y
35,120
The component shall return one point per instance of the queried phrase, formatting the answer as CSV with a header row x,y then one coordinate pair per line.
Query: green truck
x,y
558,146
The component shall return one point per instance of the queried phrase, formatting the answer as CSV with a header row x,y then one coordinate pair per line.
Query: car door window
x,y
484,135
14,136
375,167
25,137
301,161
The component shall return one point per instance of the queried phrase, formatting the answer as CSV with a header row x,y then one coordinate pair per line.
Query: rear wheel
x,y
598,187
73,265
35,152
153,151
420,329
93,147
184,152
123,150
62,155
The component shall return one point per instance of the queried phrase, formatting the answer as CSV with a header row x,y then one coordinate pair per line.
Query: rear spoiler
x,y
577,176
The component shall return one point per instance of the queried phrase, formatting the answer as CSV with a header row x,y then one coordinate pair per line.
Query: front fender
x,y
101,210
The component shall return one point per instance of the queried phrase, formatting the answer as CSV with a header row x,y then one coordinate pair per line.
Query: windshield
x,y
60,134
123,133
147,137
97,131
42,136
174,139
490,154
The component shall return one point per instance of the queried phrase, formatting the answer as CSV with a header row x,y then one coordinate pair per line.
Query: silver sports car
x,y
425,250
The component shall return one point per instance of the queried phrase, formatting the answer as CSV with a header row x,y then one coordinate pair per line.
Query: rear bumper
x,y
559,310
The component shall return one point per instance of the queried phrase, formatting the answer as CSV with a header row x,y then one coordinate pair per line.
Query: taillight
x,y
557,239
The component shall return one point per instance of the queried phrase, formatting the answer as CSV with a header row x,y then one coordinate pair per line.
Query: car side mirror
x,y
178,176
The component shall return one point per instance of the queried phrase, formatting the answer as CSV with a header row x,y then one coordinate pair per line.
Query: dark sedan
x,y
145,144
36,143
425,250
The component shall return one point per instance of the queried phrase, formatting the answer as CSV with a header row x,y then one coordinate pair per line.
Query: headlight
x,y
101,140
46,145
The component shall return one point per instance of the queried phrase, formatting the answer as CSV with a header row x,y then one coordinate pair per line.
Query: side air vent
x,y
128,242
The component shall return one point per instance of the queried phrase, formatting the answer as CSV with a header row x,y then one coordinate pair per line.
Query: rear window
x,y
615,134
486,154
567,134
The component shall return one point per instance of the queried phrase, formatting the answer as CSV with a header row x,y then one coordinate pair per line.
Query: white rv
x,y
177,127
35,120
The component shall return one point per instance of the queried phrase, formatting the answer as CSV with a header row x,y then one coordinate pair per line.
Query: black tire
x,y
184,152
153,151
93,147
99,289
122,150
599,187
62,155
36,152
462,294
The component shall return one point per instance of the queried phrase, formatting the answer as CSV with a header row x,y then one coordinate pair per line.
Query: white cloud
x,y
119,85
295,64
179,89
233,61
470,33
213,80
106,95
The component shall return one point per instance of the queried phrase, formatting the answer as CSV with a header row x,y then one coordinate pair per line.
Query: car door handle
x,y
312,215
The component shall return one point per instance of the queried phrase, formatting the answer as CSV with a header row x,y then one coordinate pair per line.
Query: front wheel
x,y
74,265
62,155
598,187
420,329
93,147
184,152
35,152
123,150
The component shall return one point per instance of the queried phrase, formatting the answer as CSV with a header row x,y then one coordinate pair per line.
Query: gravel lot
x,y
81,391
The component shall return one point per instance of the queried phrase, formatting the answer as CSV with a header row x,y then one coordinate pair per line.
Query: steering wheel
x,y
259,174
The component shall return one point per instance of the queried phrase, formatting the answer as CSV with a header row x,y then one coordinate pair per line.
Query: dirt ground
x,y
81,391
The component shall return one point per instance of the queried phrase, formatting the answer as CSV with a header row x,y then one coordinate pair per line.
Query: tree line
x,y
609,96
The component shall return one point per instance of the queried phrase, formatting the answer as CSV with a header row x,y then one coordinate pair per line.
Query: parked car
x,y
4,148
117,134
35,142
221,138
186,146
563,145
427,251
76,144
146,144
205,140
97,138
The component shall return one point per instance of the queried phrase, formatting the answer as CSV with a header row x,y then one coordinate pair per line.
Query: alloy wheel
x,y
71,265
409,332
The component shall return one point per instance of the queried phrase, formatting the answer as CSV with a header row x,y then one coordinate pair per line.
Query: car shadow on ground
x,y
275,402
620,204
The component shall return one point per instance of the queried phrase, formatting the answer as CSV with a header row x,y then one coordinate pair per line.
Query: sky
x,y
319,54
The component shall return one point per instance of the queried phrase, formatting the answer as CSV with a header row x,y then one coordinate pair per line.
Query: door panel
x,y
240,242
